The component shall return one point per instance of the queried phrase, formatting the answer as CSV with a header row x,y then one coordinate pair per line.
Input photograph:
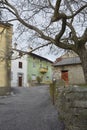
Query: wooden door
x,y
64,76
20,80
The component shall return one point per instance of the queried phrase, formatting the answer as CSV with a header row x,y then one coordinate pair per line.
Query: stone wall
x,y
5,91
72,107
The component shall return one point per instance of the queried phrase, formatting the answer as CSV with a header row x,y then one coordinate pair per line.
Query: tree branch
x,y
77,12
26,52
2,31
56,15
66,46
13,10
57,7
83,39
51,5
73,32
58,36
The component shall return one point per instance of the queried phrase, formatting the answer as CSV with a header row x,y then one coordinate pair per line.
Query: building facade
x,y
5,54
68,68
18,70
39,67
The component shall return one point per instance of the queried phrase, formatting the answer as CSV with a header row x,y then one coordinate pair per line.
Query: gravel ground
x,y
28,109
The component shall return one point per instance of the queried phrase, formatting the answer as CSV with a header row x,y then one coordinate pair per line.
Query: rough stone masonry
x,y
72,107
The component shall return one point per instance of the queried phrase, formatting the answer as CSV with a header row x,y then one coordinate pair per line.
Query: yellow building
x,y
5,53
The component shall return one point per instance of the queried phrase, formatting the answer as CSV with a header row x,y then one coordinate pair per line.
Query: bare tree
x,y
59,22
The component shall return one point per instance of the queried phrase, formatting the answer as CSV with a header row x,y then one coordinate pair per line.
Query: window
x,y
40,65
40,60
47,77
47,67
34,64
20,64
33,58
33,77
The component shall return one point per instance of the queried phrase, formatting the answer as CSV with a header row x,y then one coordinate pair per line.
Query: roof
x,y
40,57
68,61
32,54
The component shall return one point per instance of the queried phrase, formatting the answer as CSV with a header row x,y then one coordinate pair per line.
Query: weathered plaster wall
x,y
5,63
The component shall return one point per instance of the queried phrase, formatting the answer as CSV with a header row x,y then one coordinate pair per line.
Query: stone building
x,y
68,68
5,53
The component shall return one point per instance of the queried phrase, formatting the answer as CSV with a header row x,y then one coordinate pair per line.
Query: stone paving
x,y
28,109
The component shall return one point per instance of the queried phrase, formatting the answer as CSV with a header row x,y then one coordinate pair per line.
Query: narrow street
x,y
28,109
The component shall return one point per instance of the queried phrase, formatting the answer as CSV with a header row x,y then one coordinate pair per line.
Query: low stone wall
x,y
72,107
5,90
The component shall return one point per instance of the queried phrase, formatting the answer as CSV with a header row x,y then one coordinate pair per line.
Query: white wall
x,y
15,69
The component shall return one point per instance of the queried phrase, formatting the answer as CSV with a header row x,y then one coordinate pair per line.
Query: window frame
x,y
20,65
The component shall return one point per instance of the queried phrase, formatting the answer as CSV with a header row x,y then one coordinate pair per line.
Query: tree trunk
x,y
83,57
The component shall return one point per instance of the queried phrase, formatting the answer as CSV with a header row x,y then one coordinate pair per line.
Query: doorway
x,y
64,76
20,80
